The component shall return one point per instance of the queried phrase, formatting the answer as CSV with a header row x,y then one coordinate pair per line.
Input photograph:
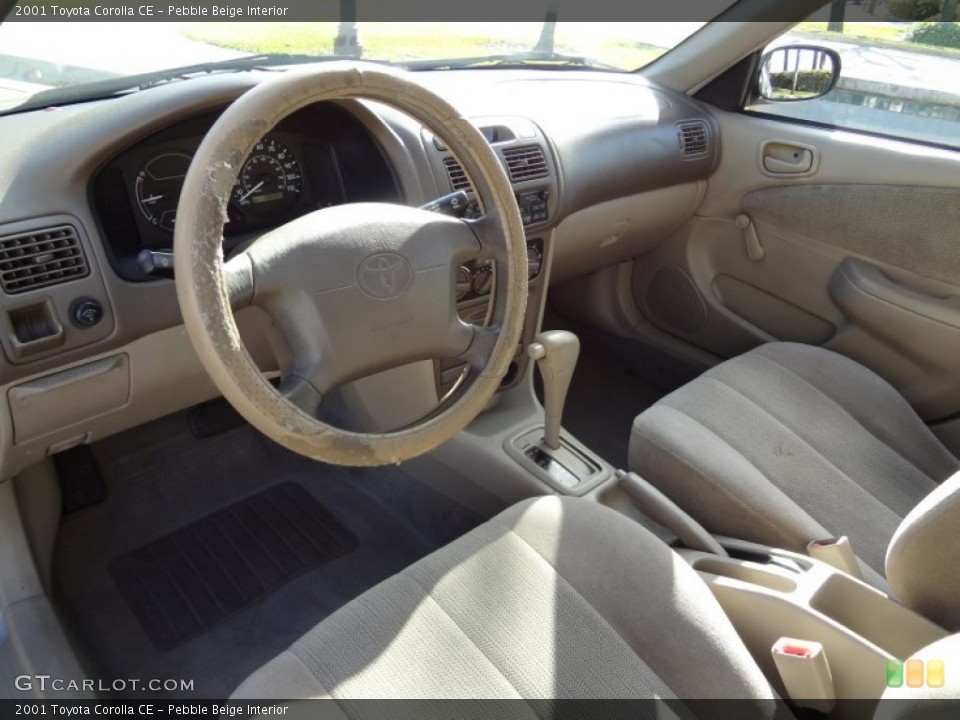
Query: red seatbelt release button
x,y
803,667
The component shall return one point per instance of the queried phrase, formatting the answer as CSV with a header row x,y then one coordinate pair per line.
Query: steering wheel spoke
x,y
301,393
301,323
238,279
482,342
487,230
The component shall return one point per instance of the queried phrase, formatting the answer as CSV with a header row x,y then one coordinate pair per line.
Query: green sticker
x,y
894,673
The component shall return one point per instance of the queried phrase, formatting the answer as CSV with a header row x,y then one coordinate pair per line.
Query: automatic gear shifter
x,y
556,353
564,464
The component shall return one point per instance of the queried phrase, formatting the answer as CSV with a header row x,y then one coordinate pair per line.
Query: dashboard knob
x,y
534,261
86,313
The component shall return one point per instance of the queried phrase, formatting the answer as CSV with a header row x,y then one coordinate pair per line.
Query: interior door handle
x,y
780,157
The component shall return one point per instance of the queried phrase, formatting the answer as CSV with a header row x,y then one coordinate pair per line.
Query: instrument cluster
x,y
319,157
269,185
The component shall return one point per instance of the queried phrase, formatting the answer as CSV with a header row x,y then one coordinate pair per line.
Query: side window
x,y
896,78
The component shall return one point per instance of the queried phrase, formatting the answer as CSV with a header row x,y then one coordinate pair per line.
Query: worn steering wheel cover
x,y
202,289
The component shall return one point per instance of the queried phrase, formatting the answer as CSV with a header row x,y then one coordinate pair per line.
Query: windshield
x,y
36,56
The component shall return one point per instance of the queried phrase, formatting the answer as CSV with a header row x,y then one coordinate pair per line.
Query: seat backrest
x,y
923,558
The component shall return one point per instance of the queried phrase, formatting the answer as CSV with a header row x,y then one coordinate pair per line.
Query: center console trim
x,y
793,595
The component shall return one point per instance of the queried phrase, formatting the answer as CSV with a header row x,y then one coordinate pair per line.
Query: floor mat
x,y
160,478
185,583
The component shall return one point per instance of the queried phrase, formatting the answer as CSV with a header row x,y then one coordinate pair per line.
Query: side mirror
x,y
792,73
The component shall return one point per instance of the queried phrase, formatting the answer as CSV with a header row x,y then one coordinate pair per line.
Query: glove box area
x,y
54,402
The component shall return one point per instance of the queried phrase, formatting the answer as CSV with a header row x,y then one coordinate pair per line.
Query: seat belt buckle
x,y
805,673
837,552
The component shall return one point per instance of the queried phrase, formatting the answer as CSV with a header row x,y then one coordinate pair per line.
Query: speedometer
x,y
270,180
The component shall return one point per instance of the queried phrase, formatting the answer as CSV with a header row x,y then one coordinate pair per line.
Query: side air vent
x,y
40,258
526,163
693,138
458,178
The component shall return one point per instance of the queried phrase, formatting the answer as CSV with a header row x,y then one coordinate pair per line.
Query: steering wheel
x,y
354,289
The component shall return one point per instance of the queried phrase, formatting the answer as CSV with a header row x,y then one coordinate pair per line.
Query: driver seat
x,y
554,598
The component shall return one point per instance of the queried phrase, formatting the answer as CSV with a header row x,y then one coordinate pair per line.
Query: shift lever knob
x,y
556,353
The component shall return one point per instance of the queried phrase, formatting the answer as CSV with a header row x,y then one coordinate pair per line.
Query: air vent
x,y
526,163
40,258
458,178
693,138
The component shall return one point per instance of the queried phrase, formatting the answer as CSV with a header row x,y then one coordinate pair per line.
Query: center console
x,y
769,593
821,635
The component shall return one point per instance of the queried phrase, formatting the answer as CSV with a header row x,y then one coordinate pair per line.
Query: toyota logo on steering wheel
x,y
385,275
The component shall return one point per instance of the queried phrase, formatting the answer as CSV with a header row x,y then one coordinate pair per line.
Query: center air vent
x,y
525,163
458,178
693,138
40,258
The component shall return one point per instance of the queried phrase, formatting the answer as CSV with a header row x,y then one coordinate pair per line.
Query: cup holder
x,y
745,572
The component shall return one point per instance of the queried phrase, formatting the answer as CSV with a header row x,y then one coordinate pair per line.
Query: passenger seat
x,y
792,443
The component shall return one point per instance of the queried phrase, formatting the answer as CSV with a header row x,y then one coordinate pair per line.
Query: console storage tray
x,y
769,594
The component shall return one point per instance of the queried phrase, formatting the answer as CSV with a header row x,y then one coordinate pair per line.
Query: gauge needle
x,y
251,191
152,198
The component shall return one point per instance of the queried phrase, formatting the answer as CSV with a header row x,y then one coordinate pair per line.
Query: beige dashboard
x,y
92,345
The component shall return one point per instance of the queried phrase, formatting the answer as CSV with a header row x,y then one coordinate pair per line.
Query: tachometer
x,y
157,188
270,180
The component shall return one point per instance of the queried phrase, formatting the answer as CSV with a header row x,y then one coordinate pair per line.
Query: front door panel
x,y
824,237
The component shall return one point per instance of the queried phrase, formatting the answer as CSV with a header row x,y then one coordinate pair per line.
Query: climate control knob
x,y
534,261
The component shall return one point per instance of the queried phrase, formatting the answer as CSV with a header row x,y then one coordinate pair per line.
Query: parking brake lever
x,y
666,512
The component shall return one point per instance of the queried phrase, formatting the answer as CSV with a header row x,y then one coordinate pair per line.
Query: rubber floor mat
x,y
187,582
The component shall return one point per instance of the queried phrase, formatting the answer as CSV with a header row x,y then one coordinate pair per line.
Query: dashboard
x,y
603,167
